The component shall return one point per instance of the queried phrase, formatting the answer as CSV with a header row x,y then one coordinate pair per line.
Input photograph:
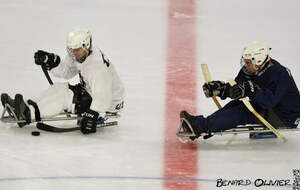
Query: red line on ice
x,y
180,160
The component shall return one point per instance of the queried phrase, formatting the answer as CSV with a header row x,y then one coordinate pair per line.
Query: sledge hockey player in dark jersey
x,y
269,85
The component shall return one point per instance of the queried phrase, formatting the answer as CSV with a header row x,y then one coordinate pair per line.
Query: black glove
x,y
242,90
50,60
89,121
218,87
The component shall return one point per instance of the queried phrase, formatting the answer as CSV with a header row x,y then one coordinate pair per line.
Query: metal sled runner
x,y
11,117
186,134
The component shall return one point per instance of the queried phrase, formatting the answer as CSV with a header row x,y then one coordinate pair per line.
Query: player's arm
x,y
222,89
244,86
218,88
66,69
49,60
101,87
62,69
267,97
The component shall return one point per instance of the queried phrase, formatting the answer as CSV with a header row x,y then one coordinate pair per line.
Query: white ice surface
x,y
133,34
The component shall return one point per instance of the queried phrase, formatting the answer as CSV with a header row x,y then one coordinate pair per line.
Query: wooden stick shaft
x,y
250,108
207,77
216,101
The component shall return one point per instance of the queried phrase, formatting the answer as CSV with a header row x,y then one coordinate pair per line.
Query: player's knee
x,y
83,103
60,86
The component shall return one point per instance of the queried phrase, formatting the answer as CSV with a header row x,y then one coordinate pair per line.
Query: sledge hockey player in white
x,y
100,89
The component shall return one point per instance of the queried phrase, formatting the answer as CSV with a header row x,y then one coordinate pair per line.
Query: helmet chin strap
x,y
88,52
260,67
257,67
82,59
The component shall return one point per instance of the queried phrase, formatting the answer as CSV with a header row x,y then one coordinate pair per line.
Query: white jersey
x,y
98,77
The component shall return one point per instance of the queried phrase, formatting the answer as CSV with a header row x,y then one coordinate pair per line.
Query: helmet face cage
x,y
78,38
253,61
256,52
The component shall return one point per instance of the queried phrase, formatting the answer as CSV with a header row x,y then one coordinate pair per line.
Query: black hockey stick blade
x,y
50,128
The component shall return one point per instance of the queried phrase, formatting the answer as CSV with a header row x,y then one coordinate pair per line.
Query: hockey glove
x,y
218,87
50,60
242,90
89,122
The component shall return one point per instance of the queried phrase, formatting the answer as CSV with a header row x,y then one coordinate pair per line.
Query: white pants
x,y
54,101
58,98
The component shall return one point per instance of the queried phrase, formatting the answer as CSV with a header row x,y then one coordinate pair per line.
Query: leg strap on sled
x,y
274,120
209,132
36,110
81,98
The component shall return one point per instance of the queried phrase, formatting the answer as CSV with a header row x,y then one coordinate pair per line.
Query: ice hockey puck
x,y
35,133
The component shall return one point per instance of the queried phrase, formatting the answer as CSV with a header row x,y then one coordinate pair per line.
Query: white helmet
x,y
257,51
79,38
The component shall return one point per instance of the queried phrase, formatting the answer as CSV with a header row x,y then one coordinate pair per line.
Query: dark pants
x,y
236,113
231,115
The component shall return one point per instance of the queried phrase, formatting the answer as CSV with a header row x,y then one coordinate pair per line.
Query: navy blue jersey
x,y
277,90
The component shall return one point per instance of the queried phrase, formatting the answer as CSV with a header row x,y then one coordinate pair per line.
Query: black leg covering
x,y
36,110
209,134
81,98
269,115
273,119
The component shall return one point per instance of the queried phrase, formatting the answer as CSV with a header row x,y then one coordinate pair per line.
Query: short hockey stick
x,y
50,128
208,79
250,108
45,71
